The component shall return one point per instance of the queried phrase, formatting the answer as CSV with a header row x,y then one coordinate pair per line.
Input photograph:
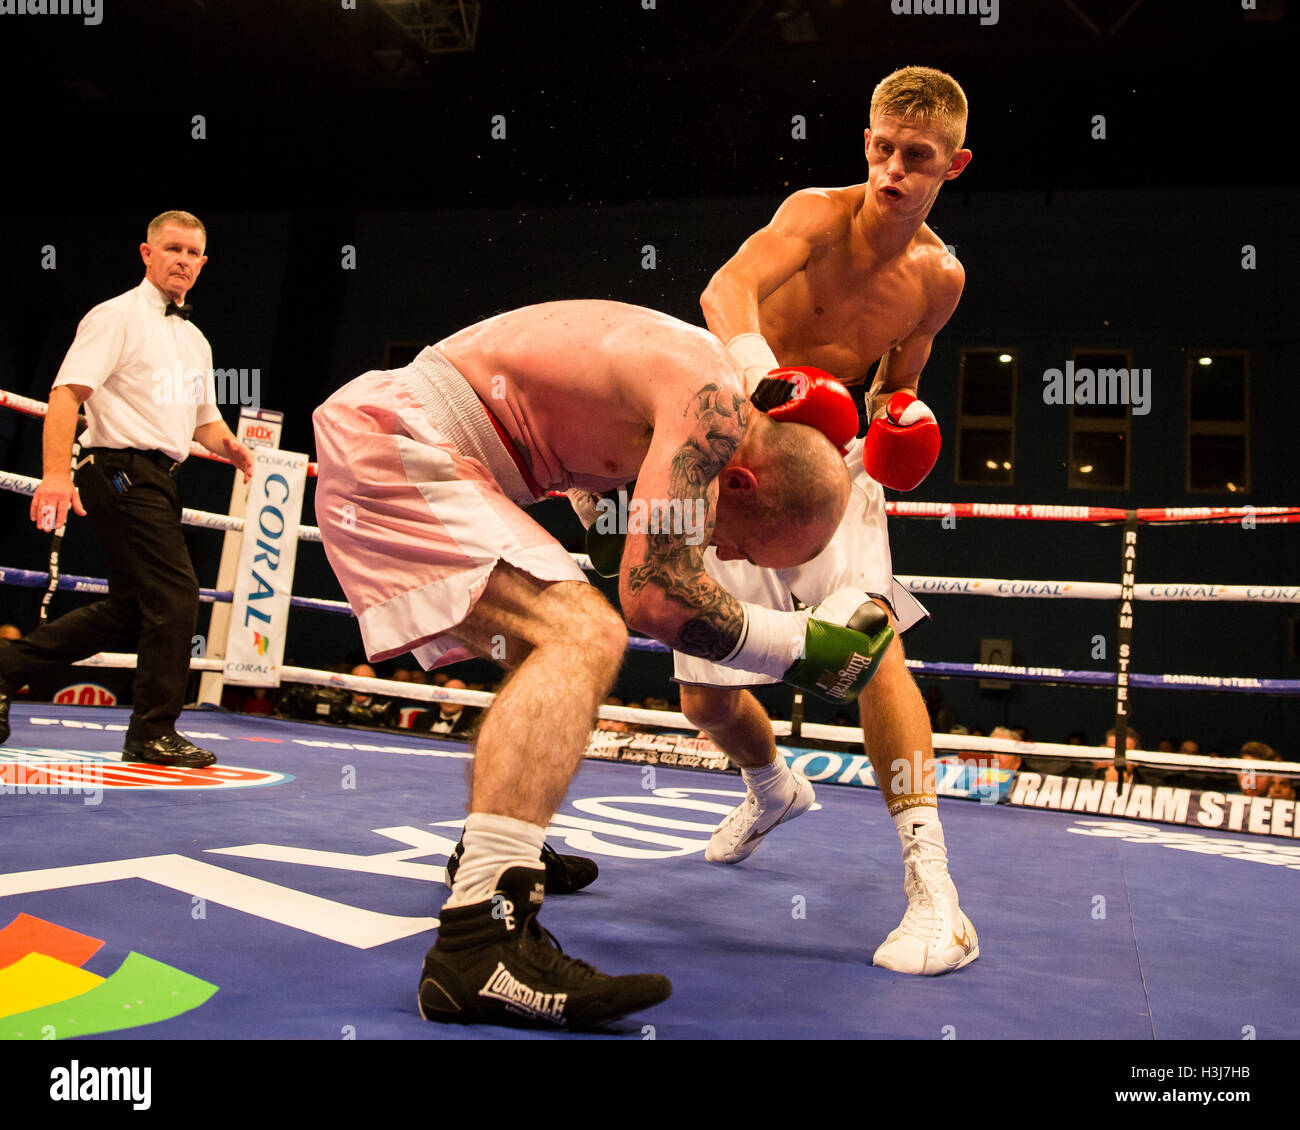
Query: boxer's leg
x,y
735,722
896,732
714,699
556,635
935,936
492,963
565,644
738,725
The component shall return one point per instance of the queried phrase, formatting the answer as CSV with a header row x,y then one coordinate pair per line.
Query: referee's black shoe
x,y
564,873
170,750
494,964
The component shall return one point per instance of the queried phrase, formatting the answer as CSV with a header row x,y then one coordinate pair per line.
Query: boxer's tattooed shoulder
x,y
720,416
672,564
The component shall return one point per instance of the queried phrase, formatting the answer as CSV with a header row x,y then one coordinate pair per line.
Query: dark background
x,y
672,127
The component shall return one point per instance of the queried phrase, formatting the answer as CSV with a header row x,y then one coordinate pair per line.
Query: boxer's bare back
x,y
579,385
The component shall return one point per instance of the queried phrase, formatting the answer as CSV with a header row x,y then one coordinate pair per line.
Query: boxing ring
x,y
291,890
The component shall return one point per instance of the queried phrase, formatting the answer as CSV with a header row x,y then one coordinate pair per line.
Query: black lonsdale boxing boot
x,y
565,874
494,964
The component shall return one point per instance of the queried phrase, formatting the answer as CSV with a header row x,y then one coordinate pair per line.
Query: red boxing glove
x,y
903,444
805,395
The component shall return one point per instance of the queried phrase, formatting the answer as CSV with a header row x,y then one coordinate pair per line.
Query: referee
x,y
144,372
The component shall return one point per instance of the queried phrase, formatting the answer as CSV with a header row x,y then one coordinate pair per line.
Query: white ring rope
x,y
203,519
29,407
1100,590
933,586
673,720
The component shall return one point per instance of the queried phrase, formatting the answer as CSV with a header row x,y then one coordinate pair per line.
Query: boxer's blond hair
x,y
180,219
923,95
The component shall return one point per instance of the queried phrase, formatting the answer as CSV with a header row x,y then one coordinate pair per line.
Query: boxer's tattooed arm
x,y
713,620
714,636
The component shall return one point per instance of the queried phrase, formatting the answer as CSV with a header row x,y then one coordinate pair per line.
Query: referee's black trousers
x,y
153,600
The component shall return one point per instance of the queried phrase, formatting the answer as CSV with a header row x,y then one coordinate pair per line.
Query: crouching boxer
x,y
423,474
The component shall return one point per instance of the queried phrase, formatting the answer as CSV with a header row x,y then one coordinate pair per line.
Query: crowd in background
x,y
456,720
360,708
1250,783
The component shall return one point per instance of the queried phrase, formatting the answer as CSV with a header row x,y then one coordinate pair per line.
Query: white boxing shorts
x,y
856,557
417,499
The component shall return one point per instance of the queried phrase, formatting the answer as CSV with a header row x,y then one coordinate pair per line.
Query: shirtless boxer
x,y
838,279
422,473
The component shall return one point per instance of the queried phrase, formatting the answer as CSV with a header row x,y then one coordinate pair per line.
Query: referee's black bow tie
x,y
184,310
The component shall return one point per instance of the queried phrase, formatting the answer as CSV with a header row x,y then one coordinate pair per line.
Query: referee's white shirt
x,y
150,374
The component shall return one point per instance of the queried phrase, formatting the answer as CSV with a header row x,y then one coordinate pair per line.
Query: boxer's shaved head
x,y
782,495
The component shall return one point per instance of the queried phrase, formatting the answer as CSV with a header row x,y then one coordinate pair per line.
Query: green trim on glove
x,y
838,662
605,551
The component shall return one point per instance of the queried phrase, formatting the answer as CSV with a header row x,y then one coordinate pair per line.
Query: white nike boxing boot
x,y
935,936
775,795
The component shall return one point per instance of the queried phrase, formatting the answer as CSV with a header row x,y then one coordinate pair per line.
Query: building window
x,y
986,417
1218,427
1099,431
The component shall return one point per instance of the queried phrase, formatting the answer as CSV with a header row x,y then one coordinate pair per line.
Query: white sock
x,y
914,812
493,843
917,819
771,784
913,808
